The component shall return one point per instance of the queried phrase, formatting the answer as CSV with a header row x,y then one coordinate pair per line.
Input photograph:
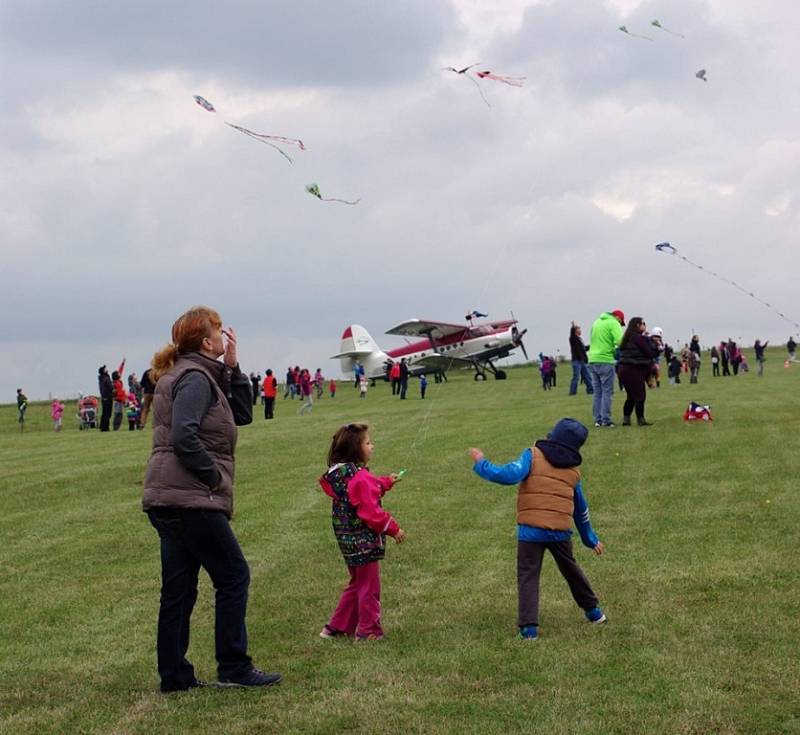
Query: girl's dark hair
x,y
632,329
346,444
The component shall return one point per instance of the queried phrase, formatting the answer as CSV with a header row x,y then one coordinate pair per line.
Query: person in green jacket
x,y
605,338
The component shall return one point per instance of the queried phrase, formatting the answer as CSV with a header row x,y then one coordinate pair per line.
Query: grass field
x,y
700,580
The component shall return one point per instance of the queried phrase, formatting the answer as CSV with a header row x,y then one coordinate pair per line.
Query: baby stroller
x,y
87,412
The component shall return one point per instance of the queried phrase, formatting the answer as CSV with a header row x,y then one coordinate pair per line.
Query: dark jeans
x,y
105,416
403,388
269,408
191,539
529,567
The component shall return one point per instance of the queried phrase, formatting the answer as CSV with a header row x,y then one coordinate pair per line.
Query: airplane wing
x,y
355,354
426,328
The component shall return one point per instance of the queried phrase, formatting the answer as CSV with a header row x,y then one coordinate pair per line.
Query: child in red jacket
x,y
360,525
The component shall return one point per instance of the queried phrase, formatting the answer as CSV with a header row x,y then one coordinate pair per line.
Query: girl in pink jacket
x,y
360,525
56,412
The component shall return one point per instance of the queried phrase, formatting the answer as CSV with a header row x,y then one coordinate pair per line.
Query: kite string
x,y
736,286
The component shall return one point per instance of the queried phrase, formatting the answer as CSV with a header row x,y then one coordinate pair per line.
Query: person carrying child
x,y
360,525
550,498
56,413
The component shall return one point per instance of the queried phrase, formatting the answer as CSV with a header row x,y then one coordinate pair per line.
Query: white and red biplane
x,y
444,345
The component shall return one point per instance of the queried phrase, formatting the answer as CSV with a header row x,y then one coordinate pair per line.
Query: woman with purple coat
x,y
635,364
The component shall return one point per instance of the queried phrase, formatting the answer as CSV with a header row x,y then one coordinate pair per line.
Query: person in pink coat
x,y
361,526
56,413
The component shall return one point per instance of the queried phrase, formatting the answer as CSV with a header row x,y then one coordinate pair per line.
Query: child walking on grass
x,y
360,525
56,413
550,498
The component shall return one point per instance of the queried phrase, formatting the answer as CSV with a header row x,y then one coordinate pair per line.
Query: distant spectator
x,y
363,385
148,389
106,388
725,358
580,369
319,383
694,366
255,380
22,407
545,371
56,413
791,348
714,361
760,359
120,394
270,389
674,370
332,388
305,392
394,377
423,385
132,411
403,378
291,388
736,356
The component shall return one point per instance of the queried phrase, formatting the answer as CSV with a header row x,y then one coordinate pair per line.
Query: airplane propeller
x,y
516,337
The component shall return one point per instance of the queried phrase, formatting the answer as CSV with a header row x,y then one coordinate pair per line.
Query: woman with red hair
x,y
188,496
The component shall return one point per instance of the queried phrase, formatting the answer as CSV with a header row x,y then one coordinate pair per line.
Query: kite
x,y
665,247
697,412
313,189
513,81
634,35
657,24
267,140
475,315
701,75
463,72
204,103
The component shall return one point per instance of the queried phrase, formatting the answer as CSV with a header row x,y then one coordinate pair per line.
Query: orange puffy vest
x,y
546,495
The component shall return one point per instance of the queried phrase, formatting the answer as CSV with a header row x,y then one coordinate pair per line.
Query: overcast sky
x,y
122,202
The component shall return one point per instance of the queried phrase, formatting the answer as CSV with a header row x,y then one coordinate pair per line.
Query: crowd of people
x,y
634,358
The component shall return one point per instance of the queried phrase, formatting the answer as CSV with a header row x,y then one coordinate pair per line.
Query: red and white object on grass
x,y
697,412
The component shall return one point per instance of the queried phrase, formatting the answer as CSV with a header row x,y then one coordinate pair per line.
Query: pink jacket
x,y
364,491
57,410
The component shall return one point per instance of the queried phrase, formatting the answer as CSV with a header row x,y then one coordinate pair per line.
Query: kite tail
x,y
342,201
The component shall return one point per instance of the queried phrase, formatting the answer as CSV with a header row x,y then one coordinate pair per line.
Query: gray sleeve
x,y
192,400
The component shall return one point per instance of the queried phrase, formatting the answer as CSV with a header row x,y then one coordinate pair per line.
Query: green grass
x,y
700,580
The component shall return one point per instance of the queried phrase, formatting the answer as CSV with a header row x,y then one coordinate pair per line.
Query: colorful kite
x,y
513,81
463,72
313,189
701,75
267,140
657,24
634,35
204,103
665,247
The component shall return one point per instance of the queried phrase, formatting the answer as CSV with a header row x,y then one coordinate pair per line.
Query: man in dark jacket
x,y
403,378
106,396
579,359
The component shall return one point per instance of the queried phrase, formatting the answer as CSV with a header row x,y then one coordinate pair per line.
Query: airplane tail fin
x,y
357,344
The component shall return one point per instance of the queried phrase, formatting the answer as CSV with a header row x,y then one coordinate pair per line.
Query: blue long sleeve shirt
x,y
515,472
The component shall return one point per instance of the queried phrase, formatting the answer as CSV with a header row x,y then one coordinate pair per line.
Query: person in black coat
x,y
403,378
106,396
635,365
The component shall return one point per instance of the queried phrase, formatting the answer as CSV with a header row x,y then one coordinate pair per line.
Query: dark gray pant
x,y
529,567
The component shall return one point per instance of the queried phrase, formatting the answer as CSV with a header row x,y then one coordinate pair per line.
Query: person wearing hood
x,y
550,498
605,338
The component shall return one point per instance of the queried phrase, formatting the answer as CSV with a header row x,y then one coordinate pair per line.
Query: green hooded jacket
x,y
605,338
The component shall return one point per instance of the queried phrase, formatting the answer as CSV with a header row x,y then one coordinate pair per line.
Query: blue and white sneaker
x,y
528,633
596,616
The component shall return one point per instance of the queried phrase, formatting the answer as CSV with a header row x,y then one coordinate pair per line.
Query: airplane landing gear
x,y
500,375
480,376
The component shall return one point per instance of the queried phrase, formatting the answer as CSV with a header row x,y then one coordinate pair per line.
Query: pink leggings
x,y
359,608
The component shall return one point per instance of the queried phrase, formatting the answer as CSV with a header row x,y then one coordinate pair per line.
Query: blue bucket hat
x,y
569,432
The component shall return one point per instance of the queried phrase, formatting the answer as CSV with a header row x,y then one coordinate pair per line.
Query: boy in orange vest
x,y
550,498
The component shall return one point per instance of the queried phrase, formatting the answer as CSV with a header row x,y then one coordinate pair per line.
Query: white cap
x,y
657,332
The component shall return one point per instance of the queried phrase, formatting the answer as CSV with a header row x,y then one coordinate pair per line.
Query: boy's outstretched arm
x,y
581,517
507,474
